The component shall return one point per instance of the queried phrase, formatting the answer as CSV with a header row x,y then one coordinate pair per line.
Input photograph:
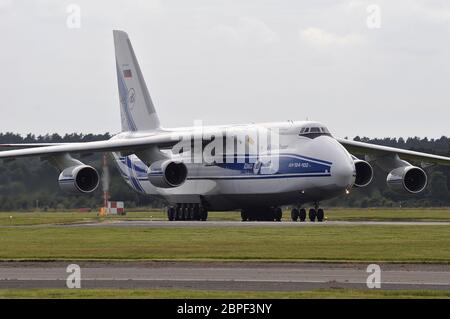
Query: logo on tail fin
x,y
131,98
127,74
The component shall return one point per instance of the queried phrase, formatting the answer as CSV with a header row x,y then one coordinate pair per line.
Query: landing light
x,y
347,192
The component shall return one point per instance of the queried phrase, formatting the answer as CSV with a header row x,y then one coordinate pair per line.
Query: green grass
x,y
192,294
384,214
332,214
391,243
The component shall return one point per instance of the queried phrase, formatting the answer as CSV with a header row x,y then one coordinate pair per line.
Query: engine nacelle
x,y
79,179
410,179
364,173
167,174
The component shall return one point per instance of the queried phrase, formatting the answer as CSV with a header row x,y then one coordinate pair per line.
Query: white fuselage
x,y
309,168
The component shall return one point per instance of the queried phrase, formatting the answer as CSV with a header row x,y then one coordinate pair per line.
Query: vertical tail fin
x,y
136,107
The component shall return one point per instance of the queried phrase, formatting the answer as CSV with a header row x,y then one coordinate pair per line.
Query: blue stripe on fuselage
x,y
290,166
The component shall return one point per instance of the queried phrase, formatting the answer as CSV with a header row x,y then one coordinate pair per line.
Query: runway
x,y
159,224
244,276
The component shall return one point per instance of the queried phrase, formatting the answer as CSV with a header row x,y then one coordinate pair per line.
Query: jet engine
x,y
364,173
79,179
409,179
167,174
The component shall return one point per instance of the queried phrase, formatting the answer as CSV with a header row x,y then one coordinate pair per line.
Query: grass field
x,y
368,243
41,218
195,294
392,243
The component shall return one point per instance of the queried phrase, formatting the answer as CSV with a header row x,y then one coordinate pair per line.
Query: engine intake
x,y
364,173
167,174
79,179
410,179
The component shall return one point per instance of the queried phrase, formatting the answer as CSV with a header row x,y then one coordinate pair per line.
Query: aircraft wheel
x,y
278,214
302,214
244,216
171,213
178,213
312,214
191,213
184,213
197,212
204,214
320,215
294,214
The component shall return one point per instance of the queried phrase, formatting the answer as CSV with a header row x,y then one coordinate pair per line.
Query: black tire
x,y
178,213
244,216
170,213
320,215
302,214
312,215
294,214
204,214
197,212
278,214
191,213
184,213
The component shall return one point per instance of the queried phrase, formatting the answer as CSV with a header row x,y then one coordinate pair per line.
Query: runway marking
x,y
187,273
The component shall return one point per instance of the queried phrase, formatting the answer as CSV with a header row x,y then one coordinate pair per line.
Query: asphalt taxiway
x,y
250,276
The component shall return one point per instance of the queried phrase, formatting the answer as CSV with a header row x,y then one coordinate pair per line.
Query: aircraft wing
x,y
362,148
27,145
129,145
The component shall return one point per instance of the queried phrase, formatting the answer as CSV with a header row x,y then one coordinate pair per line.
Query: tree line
x,y
32,184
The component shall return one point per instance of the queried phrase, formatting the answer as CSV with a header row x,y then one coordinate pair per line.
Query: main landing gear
x,y
187,212
262,214
314,214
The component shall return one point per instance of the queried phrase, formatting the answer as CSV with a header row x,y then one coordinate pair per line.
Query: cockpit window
x,y
314,131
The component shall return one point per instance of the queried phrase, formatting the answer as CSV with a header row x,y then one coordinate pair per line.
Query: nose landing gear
x,y
314,214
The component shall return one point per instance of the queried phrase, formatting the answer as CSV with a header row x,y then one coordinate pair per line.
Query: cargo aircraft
x,y
254,168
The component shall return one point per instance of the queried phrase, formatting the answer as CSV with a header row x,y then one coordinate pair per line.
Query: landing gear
x,y
187,212
179,213
196,211
312,214
244,216
316,212
262,214
302,214
298,214
294,214
171,213
203,214
320,215
278,214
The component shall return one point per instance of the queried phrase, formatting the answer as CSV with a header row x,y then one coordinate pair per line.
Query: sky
x,y
367,68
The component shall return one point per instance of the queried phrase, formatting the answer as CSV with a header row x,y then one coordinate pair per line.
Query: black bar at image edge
x,y
224,308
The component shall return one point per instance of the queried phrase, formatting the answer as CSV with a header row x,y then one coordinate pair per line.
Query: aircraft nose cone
x,y
343,172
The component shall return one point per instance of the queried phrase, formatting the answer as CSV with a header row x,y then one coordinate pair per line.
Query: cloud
x,y
247,29
320,37
435,13
5,3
